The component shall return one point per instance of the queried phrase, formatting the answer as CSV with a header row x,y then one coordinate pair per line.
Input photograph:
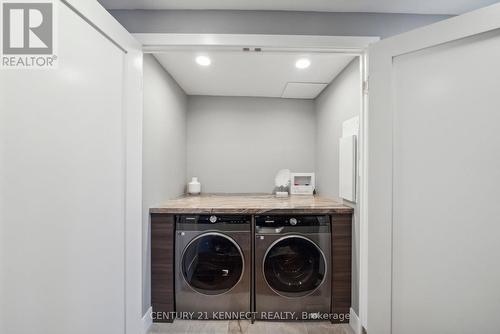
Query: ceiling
x,y
451,7
264,74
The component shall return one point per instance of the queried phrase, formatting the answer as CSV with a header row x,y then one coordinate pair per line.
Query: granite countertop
x,y
251,204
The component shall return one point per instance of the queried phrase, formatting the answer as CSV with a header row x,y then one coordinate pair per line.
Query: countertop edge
x,y
252,211
251,204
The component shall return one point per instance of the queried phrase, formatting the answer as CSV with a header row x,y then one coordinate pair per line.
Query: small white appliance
x,y
302,183
194,187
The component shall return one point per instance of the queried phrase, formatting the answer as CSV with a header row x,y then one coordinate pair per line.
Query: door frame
x,y
158,42
97,17
355,45
380,153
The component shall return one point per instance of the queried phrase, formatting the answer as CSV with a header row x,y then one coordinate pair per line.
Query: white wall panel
x,y
446,188
62,189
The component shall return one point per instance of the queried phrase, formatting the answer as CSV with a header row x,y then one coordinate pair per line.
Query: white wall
x,y
63,189
340,101
445,270
237,144
164,149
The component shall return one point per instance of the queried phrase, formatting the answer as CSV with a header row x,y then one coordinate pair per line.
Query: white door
x,y
64,198
434,178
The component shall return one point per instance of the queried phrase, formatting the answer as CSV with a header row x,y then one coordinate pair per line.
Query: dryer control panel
x,y
292,224
212,222
278,221
213,219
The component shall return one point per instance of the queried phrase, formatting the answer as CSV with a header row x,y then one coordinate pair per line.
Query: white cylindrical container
x,y
194,187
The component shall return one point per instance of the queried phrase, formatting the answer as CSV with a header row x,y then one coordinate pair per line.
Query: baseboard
x,y
147,320
355,322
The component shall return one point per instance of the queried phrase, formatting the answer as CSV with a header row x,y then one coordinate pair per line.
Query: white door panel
x,y
434,178
63,189
446,185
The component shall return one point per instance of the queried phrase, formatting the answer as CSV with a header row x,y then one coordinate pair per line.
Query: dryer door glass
x,y
294,266
212,263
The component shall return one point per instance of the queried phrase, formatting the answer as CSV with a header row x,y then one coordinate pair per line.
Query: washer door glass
x,y
212,263
294,266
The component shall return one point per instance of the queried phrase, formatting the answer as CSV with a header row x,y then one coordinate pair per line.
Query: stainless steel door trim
x,y
289,236
181,259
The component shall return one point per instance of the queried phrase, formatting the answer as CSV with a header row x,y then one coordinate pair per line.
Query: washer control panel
x,y
280,221
213,219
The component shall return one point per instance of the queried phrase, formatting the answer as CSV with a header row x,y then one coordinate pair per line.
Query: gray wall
x,y
237,144
164,149
339,102
271,22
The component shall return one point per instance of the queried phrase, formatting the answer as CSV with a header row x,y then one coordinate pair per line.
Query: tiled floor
x,y
244,327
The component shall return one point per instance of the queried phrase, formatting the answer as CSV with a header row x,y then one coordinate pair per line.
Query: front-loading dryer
x,y
292,267
213,269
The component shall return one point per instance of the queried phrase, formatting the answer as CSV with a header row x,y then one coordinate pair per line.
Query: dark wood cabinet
x,y
162,266
163,262
341,266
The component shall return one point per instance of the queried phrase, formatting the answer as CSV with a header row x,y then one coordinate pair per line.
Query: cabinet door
x,y
62,188
434,178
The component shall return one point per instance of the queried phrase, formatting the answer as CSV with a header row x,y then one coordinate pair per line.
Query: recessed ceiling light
x,y
303,63
203,60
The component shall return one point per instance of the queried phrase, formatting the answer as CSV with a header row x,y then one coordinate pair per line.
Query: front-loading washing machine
x,y
213,265
292,267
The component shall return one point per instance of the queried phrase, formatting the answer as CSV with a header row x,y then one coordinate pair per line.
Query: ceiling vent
x,y
251,49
